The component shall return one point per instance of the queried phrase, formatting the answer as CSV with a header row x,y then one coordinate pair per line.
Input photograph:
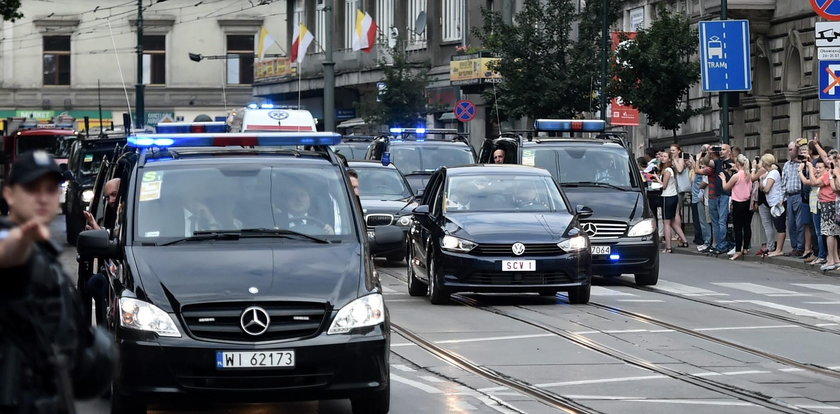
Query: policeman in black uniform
x,y
49,354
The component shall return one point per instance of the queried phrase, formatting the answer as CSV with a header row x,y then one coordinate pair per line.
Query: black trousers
x,y
741,221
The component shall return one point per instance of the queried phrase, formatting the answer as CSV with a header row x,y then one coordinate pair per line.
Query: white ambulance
x,y
270,118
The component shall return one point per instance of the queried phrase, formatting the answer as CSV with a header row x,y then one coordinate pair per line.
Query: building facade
x,y
783,104
70,57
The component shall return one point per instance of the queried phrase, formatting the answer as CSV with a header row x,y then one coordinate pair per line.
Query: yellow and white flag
x,y
364,34
302,39
264,42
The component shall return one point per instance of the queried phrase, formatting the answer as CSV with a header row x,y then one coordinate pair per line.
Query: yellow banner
x,y
94,123
472,71
272,68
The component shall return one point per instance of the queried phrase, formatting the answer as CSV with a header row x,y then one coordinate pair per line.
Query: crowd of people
x,y
795,200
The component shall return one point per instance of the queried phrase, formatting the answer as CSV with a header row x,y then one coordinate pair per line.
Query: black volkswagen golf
x,y
239,274
504,228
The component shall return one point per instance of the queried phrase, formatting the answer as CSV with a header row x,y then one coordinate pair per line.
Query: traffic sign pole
x,y
724,100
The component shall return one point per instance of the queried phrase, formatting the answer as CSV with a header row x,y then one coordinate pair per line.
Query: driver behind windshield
x,y
300,212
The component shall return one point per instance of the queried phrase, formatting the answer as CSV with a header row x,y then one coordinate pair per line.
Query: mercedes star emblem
x,y
253,290
589,228
254,321
518,249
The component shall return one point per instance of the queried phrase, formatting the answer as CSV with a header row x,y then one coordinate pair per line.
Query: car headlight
x,y
456,245
87,196
404,220
645,227
143,316
365,311
574,244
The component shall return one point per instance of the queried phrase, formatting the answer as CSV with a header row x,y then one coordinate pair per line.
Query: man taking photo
x,y
49,354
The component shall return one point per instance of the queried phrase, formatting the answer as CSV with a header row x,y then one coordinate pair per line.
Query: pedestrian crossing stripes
x,y
760,289
681,289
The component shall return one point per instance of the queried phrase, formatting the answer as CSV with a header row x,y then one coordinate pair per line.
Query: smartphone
x,y
703,155
686,156
757,159
716,148
801,157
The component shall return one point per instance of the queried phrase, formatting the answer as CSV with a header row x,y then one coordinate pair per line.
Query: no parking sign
x,y
465,110
829,9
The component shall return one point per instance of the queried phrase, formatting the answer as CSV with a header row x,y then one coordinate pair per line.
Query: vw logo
x,y
254,321
589,228
278,115
518,249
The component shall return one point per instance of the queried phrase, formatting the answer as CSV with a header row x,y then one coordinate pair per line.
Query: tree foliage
x,y
656,71
10,9
403,102
549,70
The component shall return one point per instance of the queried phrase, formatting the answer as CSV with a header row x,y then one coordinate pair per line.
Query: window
x,y
453,16
240,59
416,18
320,25
56,60
349,22
385,17
154,60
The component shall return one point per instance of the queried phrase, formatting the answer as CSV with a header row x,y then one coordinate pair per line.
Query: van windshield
x,y
429,157
584,164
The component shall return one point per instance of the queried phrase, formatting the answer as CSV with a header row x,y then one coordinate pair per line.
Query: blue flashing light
x,y
268,139
615,257
570,125
267,106
396,130
420,130
386,159
252,106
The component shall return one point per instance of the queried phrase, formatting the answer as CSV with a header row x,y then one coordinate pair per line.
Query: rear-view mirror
x,y
96,243
421,210
583,211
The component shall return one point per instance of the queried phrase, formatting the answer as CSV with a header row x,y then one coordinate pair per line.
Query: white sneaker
x,y
702,247
731,252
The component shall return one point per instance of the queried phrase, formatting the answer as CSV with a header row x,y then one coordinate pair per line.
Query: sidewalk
x,y
792,262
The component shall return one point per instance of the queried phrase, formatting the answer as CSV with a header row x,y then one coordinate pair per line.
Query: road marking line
x,y
820,286
822,303
687,290
818,407
431,378
403,367
602,291
416,384
795,311
665,401
738,328
492,338
760,289
791,369
641,300
393,345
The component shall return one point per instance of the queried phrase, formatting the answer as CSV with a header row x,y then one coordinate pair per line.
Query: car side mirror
x,y
583,211
96,243
68,175
421,210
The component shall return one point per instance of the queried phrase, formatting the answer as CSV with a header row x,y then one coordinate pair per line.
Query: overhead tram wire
x,y
119,68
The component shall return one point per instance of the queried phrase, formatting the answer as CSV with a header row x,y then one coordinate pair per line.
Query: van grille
x,y
374,220
221,321
531,249
600,230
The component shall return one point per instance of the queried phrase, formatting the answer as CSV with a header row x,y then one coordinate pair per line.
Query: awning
x,y
353,122
447,116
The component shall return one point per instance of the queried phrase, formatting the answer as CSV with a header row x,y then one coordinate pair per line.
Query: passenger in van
x,y
499,156
300,213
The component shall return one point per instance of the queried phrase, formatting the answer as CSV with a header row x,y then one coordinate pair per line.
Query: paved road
x,y
713,336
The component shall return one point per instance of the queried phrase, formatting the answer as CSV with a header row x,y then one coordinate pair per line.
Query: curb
x,y
777,261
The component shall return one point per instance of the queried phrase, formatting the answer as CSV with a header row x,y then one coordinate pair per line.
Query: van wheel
x,y
377,402
437,294
649,278
580,294
415,287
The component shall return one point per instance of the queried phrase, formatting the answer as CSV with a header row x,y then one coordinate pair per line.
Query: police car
x,y
600,172
418,152
239,271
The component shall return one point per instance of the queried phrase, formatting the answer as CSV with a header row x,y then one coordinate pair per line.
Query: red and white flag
x,y
302,39
364,34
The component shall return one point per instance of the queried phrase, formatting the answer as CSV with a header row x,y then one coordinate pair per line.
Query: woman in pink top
x,y
741,186
820,177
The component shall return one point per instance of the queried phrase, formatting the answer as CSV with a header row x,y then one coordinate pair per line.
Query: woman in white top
x,y
772,186
670,202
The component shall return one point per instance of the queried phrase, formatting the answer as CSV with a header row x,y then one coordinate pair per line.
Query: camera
x,y
686,156
716,148
757,159
801,157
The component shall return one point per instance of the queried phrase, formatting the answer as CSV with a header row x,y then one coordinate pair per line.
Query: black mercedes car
x,y
418,152
353,147
387,202
503,228
86,155
239,271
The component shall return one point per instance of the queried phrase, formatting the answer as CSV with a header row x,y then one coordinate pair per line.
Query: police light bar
x,y
191,127
398,131
570,125
267,139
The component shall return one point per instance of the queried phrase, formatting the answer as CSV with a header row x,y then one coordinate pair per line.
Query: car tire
x,y
376,402
580,294
415,286
648,278
437,294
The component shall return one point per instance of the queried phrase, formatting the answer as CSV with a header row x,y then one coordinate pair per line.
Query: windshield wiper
x,y
594,184
267,232
205,235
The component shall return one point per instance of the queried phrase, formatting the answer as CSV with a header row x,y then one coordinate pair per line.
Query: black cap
x,y
32,165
